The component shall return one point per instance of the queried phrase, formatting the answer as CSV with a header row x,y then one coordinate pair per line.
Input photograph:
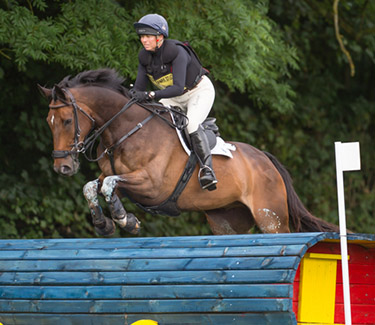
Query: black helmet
x,y
152,24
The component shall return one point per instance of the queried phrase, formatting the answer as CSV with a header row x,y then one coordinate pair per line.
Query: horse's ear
x,y
45,91
58,92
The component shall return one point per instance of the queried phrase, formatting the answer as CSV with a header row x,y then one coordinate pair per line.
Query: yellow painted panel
x,y
317,290
318,324
325,256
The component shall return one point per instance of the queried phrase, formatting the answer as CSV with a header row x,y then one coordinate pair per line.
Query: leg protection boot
x,y
206,175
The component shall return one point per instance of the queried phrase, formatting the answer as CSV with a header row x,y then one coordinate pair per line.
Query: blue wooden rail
x,y
241,279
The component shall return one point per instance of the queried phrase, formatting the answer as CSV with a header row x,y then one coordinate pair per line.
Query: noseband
x,y
78,146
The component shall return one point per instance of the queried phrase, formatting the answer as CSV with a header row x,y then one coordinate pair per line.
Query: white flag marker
x,y
347,159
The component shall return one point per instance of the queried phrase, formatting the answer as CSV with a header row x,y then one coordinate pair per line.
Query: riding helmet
x,y
152,24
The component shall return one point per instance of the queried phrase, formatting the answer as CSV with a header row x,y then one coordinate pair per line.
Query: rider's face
x,y
151,42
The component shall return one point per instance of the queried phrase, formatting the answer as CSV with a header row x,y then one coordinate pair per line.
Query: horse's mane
x,y
107,78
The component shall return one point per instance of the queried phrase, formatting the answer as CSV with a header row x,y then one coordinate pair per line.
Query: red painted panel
x,y
297,274
295,308
358,273
357,253
359,294
361,314
362,280
296,291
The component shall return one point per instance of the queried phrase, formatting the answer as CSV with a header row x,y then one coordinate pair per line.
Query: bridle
x,y
78,146
87,145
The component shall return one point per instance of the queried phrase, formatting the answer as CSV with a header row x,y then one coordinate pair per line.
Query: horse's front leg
x,y
127,221
103,225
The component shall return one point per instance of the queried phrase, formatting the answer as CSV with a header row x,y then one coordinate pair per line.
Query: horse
x,y
140,157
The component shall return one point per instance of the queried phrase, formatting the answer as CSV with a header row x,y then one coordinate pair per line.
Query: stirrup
x,y
211,185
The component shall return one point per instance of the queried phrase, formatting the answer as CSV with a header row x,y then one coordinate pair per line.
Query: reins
x,y
90,140
87,146
164,109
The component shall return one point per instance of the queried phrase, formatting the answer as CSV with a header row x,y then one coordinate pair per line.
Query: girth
x,y
169,206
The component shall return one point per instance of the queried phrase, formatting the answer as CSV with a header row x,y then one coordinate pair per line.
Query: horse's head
x,y
70,122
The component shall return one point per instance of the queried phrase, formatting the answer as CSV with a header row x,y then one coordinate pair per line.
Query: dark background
x,y
283,85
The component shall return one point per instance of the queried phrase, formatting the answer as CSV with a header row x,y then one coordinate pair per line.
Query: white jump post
x,y
347,159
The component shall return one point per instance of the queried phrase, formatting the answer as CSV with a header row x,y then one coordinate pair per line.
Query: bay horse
x,y
140,156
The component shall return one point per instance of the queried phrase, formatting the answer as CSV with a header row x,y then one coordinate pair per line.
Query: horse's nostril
x,y
65,170
66,167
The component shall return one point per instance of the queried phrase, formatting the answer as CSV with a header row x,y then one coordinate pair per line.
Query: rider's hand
x,y
140,96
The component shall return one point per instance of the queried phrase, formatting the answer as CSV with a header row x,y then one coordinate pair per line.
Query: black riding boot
x,y
206,175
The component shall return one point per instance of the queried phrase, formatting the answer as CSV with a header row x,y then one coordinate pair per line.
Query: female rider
x,y
181,81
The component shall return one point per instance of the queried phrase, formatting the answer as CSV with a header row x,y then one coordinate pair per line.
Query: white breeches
x,y
196,103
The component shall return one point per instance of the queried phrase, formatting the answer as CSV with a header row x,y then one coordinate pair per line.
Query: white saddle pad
x,y
222,148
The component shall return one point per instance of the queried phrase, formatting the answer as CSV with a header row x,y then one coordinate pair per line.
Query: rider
x,y
177,73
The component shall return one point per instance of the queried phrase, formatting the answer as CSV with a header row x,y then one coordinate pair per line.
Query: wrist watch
x,y
151,94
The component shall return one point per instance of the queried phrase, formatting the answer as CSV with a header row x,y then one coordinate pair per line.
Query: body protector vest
x,y
159,64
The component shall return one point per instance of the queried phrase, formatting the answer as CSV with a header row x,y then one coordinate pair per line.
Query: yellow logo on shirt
x,y
163,82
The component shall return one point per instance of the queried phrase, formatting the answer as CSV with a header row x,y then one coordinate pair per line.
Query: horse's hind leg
x,y
103,225
127,221
269,206
230,221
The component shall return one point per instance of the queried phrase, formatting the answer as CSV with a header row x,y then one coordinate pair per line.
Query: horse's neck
x,y
153,137
105,105
106,108
148,140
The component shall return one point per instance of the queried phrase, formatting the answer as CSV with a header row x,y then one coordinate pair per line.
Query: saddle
x,y
217,145
209,126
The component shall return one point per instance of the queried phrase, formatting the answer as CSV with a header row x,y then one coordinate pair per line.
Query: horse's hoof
x,y
130,223
106,230
135,224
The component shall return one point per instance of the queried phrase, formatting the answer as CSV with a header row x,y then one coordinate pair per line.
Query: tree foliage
x,y
283,84
91,34
331,105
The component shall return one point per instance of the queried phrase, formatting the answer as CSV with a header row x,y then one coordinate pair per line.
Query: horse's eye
x,y
67,122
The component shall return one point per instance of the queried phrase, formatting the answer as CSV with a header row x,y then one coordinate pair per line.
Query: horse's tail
x,y
300,218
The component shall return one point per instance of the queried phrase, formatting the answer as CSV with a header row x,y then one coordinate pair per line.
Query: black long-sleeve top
x,y
171,68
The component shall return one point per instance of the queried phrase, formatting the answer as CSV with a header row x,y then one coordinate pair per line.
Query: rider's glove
x,y
140,96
